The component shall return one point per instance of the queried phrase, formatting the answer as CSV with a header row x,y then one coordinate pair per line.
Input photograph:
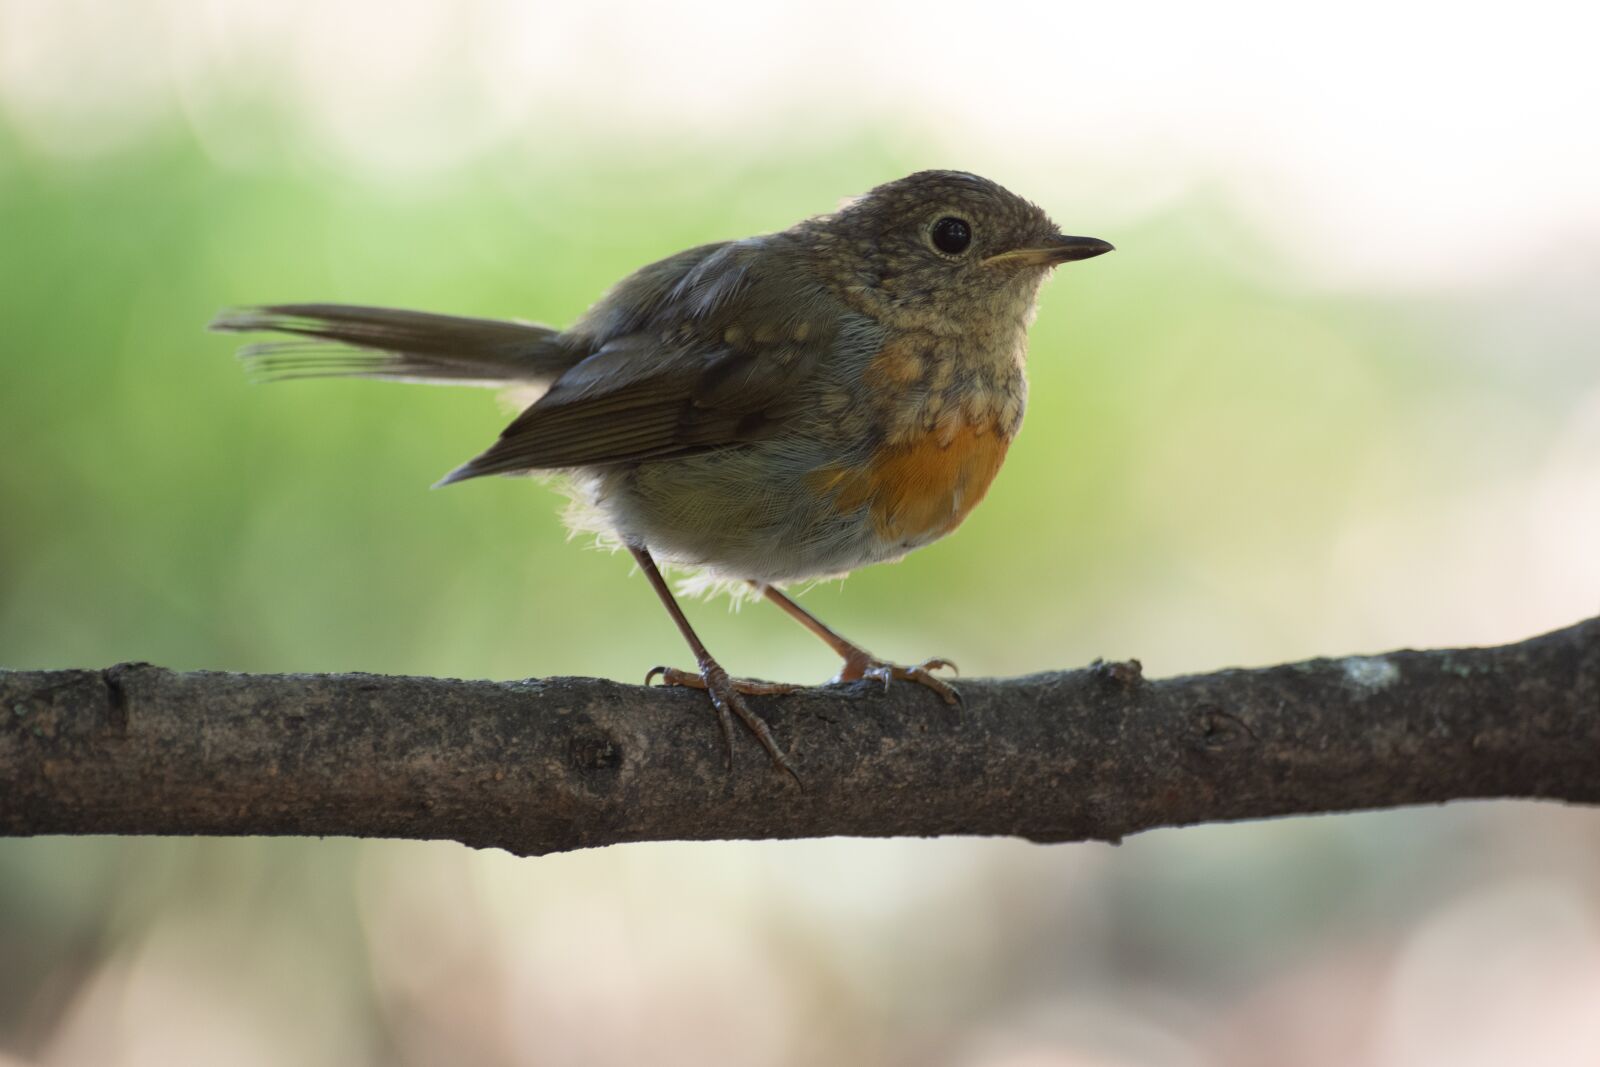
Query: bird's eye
x,y
952,235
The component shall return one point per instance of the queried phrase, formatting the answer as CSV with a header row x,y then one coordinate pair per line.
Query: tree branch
x,y
562,763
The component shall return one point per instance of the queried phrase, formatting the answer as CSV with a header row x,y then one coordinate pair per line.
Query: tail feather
x,y
344,340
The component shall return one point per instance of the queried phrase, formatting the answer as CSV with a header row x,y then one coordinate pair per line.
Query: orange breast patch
x,y
921,489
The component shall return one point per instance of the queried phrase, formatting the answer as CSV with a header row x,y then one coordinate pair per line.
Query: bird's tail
x,y
347,341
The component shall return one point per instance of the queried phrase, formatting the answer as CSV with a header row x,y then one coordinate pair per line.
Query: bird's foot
x,y
750,687
727,699
857,668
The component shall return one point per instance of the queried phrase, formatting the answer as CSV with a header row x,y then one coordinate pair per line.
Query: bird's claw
x,y
750,687
727,700
922,674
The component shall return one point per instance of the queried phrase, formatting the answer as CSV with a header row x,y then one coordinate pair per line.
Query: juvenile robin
x,y
785,407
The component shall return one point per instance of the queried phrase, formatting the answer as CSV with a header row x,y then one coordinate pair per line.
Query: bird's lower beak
x,y
1058,248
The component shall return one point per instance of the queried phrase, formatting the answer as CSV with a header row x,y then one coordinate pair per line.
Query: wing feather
x,y
702,350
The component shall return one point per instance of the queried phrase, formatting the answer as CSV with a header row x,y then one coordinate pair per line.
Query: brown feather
x,y
348,340
708,354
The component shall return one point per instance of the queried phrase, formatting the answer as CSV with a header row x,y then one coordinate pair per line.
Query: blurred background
x,y
1338,391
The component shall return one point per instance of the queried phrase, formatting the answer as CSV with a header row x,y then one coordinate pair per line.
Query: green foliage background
x,y
1186,414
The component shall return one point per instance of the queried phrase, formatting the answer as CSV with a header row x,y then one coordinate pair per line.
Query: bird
x,y
765,411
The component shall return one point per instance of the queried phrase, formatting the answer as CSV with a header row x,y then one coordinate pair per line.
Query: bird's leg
x,y
858,662
726,695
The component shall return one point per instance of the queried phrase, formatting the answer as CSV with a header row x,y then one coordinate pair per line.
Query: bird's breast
x,y
920,489
944,416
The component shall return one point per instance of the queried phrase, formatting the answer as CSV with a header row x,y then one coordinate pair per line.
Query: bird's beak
x,y
1057,248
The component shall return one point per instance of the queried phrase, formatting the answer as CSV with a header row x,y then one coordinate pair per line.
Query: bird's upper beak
x,y
1057,248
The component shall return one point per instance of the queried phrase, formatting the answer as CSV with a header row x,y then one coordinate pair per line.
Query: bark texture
x,y
561,763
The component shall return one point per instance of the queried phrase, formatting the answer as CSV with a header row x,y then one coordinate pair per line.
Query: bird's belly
x,y
771,514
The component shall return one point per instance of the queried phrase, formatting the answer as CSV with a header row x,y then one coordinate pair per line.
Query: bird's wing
x,y
698,351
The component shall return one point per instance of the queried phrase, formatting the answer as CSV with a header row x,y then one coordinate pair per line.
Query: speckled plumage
x,y
831,341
